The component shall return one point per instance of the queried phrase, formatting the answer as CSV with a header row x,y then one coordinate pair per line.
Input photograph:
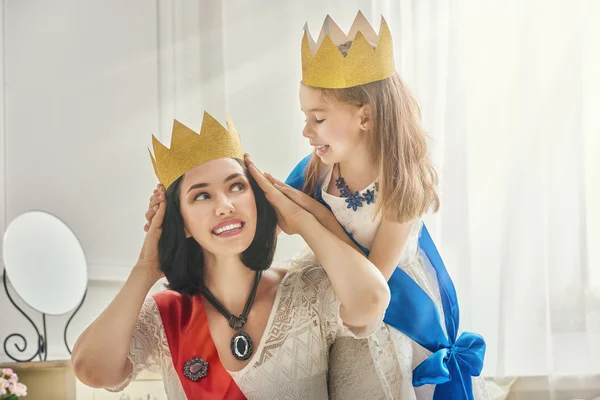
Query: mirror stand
x,y
42,348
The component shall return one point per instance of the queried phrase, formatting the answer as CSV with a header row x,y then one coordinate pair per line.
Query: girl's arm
x,y
388,245
389,242
358,285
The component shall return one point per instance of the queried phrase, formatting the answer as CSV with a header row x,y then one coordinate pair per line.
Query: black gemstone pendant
x,y
241,346
195,369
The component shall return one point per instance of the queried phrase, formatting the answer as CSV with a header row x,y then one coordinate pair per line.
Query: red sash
x,y
188,336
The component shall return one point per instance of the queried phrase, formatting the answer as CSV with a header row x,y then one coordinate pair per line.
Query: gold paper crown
x,y
324,66
189,149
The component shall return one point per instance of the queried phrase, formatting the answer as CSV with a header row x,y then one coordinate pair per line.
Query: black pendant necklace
x,y
241,343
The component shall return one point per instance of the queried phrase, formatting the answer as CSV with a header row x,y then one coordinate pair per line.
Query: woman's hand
x,y
148,258
290,215
157,197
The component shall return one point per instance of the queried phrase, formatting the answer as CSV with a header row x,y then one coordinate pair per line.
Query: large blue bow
x,y
414,313
464,358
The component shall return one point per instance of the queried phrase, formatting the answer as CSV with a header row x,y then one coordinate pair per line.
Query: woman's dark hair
x,y
181,258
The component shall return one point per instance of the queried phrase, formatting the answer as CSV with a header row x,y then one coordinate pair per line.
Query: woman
x,y
213,238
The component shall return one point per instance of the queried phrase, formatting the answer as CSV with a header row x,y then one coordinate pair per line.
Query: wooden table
x,y
46,380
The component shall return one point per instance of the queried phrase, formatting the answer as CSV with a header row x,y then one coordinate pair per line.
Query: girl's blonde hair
x,y
398,145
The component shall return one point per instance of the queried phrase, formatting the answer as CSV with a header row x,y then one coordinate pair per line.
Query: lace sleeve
x,y
330,311
146,343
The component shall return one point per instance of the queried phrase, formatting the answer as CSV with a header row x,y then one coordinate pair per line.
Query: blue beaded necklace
x,y
355,199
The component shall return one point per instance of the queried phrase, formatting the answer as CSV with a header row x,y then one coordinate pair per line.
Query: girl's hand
x,y
289,214
302,199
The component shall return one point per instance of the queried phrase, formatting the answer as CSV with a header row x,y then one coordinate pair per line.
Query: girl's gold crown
x,y
324,66
189,149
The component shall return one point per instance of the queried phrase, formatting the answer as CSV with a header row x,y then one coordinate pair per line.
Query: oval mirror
x,y
45,262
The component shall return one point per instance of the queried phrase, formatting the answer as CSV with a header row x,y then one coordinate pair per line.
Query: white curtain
x,y
510,97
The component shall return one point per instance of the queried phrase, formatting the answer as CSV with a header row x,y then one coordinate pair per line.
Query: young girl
x,y
231,326
371,168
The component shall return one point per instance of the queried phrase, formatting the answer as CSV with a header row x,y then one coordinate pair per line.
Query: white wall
x,y
81,97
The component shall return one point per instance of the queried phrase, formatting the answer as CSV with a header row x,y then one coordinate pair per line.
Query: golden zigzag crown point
x,y
324,66
189,149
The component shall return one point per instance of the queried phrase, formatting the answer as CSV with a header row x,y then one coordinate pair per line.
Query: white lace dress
x,y
291,361
380,367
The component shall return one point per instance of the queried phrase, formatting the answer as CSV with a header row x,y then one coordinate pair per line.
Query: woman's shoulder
x,y
305,276
168,299
170,307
